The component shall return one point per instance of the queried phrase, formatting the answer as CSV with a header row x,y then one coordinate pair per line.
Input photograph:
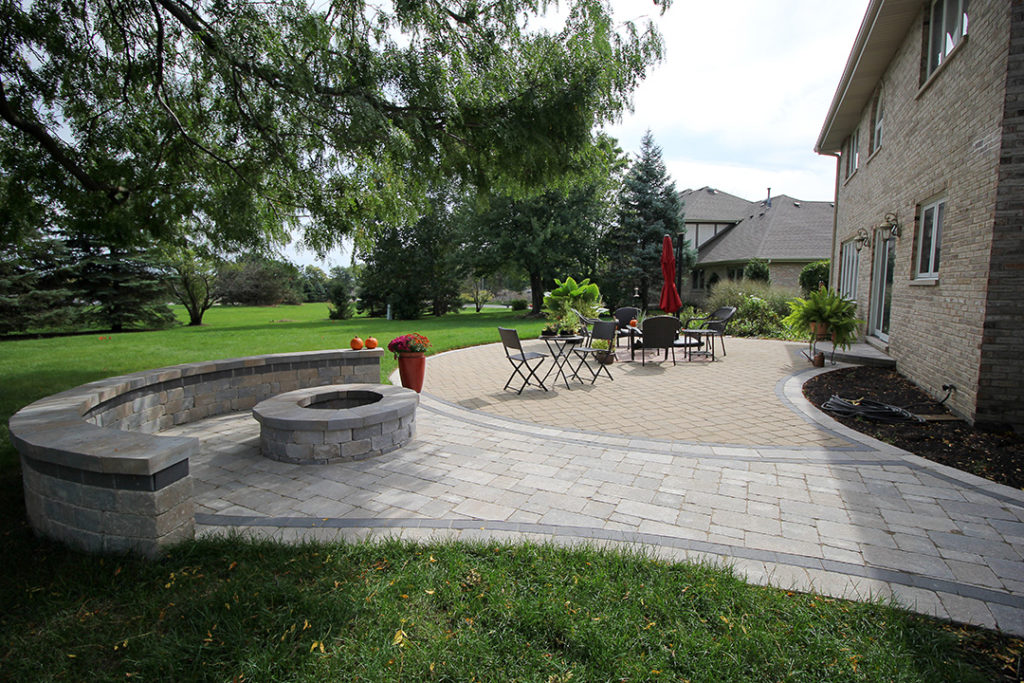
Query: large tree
x,y
412,268
649,209
551,235
241,117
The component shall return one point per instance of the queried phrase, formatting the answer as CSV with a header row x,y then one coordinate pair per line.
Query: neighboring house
x,y
729,231
927,125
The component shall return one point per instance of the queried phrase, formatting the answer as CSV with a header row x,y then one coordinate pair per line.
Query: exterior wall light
x,y
891,224
863,239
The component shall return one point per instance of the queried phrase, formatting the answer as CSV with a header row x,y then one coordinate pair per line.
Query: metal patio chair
x,y
602,330
520,359
715,323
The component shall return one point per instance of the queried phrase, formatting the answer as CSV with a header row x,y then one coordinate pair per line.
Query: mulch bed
x,y
998,456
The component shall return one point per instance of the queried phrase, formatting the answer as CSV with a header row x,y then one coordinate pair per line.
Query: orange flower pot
x,y
411,368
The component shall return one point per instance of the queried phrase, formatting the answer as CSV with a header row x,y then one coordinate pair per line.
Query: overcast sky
x,y
740,97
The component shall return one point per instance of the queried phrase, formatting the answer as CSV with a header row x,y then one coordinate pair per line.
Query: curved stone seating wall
x,y
98,477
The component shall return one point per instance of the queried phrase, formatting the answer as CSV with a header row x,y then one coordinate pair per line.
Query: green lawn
x,y
34,368
238,610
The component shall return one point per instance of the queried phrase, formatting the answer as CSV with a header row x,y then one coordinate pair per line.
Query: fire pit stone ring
x,y
336,423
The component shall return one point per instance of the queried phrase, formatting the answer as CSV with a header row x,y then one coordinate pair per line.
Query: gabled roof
x,y
785,229
708,205
881,33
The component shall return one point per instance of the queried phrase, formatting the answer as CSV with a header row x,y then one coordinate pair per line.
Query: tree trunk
x,y
537,291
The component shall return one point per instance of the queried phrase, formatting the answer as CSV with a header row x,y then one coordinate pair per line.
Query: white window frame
x,y
877,114
929,239
948,23
852,160
849,269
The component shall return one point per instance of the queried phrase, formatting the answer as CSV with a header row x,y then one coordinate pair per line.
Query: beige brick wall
x,y
940,139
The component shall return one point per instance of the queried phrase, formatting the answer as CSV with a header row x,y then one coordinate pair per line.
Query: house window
x,y
929,242
876,124
849,265
947,27
851,153
697,277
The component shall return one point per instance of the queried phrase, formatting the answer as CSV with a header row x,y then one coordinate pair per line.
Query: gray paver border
x,y
591,533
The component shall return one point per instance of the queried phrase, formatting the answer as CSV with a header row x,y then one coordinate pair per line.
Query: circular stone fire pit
x,y
336,423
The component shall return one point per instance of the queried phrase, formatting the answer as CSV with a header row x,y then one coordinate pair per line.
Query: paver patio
x,y
785,495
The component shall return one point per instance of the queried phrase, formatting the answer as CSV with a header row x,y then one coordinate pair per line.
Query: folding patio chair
x,y
520,359
602,330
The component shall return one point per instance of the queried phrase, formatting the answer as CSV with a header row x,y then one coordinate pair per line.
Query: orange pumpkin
x,y
356,343
371,342
632,323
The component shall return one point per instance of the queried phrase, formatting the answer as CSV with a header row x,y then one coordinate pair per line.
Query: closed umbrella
x,y
670,301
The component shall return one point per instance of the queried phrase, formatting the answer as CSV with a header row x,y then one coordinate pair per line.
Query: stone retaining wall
x,y
99,478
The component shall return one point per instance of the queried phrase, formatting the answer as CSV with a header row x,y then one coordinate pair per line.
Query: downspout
x,y
832,283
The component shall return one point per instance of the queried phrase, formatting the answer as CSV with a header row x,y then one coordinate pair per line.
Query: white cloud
x,y
743,92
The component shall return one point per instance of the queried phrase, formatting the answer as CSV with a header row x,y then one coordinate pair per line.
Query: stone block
x,y
336,436
129,526
355,448
367,432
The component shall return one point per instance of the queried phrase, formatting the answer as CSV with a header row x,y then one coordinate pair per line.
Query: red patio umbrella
x,y
670,301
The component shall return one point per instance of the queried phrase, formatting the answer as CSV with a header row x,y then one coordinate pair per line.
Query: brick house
x,y
728,231
927,127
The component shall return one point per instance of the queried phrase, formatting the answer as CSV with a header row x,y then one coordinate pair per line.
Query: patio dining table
x,y
560,347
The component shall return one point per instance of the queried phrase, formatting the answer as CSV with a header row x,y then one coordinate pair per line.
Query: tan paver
x,y
731,400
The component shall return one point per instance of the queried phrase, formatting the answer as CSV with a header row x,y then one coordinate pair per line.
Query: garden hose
x,y
868,409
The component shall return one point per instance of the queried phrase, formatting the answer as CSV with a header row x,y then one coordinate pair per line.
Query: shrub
x,y
519,304
813,275
734,293
756,318
760,307
756,269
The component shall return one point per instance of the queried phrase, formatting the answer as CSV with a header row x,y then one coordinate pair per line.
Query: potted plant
x,y
410,350
569,298
606,355
824,312
550,330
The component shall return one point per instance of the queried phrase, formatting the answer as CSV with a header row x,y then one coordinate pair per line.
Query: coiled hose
x,y
870,410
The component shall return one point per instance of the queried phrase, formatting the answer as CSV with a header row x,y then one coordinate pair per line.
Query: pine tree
x,y
649,209
119,287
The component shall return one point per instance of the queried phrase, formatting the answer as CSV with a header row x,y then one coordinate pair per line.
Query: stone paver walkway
x,y
808,505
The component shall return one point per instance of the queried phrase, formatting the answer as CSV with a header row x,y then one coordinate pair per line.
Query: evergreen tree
x,y
119,287
314,284
33,294
649,209
339,291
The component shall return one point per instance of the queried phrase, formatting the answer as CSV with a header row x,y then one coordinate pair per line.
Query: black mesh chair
x,y
604,331
662,332
715,323
520,359
623,316
587,323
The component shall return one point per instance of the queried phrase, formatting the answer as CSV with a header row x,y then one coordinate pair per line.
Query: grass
x,y
33,368
244,610
224,610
